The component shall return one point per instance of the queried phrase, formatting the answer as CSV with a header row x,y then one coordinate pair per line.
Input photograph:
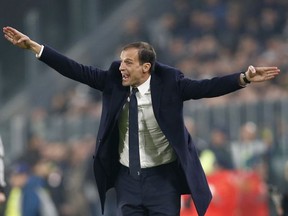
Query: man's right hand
x,y
21,40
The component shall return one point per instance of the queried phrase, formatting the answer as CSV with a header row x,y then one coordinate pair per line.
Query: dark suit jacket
x,y
169,89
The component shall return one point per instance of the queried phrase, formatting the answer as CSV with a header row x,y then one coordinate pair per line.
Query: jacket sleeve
x,y
207,88
89,75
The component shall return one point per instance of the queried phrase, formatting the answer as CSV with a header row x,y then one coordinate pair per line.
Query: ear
x,y
146,67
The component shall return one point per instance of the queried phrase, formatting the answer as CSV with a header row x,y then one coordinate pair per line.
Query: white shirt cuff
x,y
38,55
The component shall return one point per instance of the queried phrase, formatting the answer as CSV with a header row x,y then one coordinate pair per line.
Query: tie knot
x,y
134,90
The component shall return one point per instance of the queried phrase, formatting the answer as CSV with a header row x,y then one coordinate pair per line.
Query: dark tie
x,y
134,158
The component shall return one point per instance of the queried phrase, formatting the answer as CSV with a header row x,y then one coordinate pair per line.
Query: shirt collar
x,y
144,87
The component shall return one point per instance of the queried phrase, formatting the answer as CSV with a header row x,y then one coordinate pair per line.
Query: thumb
x,y
252,69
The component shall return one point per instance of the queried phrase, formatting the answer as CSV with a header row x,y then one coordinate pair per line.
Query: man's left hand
x,y
260,74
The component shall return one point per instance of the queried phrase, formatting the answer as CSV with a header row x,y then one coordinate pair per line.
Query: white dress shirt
x,y
153,145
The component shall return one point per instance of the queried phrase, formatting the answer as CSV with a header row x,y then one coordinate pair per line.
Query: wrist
x,y
38,55
245,78
35,47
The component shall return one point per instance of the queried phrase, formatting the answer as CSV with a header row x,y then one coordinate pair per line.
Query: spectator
x,y
35,198
221,148
19,174
248,150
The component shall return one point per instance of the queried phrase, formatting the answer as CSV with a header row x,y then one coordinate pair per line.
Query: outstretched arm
x,y
92,76
21,40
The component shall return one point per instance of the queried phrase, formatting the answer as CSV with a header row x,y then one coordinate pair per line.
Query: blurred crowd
x,y
240,172
203,39
217,37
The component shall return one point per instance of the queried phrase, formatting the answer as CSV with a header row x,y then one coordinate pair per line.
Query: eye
x,y
128,62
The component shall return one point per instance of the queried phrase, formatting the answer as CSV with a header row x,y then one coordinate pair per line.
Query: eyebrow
x,y
127,60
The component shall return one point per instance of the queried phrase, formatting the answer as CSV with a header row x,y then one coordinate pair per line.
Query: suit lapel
x,y
156,92
118,98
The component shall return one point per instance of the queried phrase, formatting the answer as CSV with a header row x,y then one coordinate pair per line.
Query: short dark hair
x,y
146,52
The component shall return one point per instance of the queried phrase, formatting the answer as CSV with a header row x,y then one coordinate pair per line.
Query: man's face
x,y
133,73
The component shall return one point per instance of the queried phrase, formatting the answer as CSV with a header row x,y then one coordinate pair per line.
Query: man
x,y
169,164
18,177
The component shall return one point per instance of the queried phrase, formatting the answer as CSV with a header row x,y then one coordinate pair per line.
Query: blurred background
x,y
242,138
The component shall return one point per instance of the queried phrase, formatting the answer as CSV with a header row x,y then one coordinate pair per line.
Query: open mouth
x,y
125,77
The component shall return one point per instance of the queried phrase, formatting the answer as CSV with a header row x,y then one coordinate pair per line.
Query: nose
x,y
121,67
